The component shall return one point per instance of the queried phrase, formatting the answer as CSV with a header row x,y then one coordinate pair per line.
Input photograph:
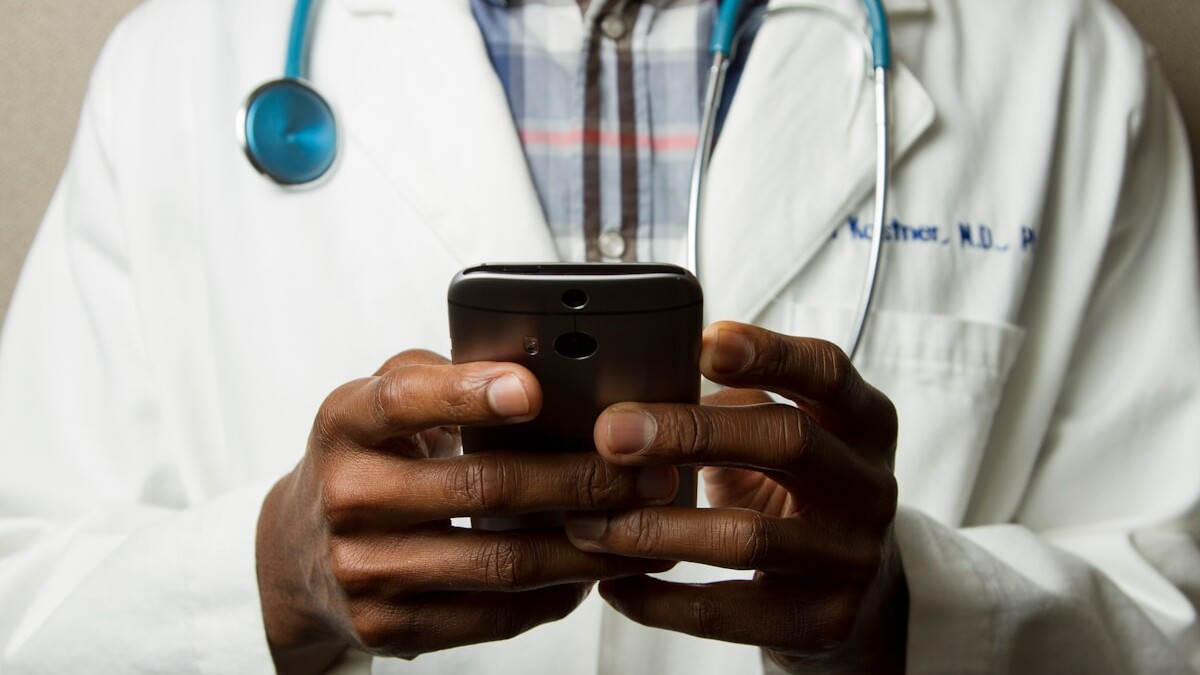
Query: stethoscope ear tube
x,y
883,163
878,47
702,157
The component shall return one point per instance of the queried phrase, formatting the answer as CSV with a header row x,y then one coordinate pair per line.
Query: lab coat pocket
x,y
945,375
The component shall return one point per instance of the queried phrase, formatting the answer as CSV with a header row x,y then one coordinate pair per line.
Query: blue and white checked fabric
x,y
608,118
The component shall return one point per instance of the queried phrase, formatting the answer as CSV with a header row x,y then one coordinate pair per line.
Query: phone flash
x,y
531,345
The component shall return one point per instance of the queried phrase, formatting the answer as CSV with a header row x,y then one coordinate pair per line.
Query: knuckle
x,y
467,390
647,530
483,482
506,623
826,366
835,371
887,501
392,397
875,511
750,538
386,631
500,562
693,434
707,617
464,396
587,491
864,565
800,435
886,425
597,484
840,615
347,568
337,500
782,357
328,423
326,429
344,505
601,484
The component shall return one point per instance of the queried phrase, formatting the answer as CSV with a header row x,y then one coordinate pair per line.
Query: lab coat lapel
x,y
796,157
431,115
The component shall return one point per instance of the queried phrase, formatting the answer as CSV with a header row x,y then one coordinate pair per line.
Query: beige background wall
x,y
47,48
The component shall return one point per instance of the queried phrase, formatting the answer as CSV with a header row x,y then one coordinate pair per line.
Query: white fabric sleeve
x,y
113,558
1100,570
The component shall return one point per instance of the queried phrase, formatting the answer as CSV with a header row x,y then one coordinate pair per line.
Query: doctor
x,y
181,321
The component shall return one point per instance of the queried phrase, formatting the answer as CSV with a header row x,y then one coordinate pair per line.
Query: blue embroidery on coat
x,y
967,236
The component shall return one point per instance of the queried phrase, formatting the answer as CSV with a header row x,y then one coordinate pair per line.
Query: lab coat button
x,y
613,25
612,244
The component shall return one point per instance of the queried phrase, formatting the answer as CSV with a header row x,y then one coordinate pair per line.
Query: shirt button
x,y
613,25
612,244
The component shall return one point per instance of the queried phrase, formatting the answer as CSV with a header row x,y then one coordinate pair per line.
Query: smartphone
x,y
593,334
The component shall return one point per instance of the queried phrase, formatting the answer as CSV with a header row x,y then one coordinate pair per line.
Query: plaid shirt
x,y
606,97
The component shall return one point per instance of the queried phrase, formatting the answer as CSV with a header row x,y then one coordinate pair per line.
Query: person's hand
x,y
804,495
355,546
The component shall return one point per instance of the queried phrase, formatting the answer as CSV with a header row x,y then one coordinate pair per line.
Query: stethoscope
x,y
289,131
287,128
723,46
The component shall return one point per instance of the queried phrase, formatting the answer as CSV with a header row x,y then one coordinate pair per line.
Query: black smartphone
x,y
593,334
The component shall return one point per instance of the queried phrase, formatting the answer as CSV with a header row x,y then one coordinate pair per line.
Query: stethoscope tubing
x,y
297,50
703,157
877,47
883,164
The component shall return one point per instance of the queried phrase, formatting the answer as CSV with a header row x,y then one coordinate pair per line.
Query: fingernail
x,y
506,396
588,526
732,352
630,432
656,483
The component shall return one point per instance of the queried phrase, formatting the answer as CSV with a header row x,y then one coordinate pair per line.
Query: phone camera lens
x,y
574,298
575,345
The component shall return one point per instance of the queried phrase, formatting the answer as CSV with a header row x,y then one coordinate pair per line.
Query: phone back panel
x,y
593,335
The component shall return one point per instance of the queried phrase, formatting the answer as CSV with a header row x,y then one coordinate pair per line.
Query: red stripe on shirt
x,y
611,139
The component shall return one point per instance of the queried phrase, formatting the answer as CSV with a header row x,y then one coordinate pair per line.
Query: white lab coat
x,y
180,320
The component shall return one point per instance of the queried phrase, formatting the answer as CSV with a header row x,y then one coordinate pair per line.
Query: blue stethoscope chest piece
x,y
289,132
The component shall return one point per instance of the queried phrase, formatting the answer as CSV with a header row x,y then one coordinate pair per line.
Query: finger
x,y
731,396
780,440
441,621
412,398
769,436
809,371
775,615
388,492
455,559
436,442
413,357
729,538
